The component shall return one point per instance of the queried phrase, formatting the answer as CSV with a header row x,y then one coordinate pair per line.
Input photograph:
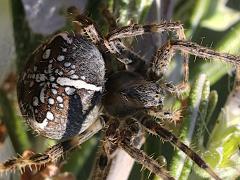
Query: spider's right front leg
x,y
131,59
53,153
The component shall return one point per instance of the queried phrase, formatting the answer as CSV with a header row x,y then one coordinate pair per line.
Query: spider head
x,y
128,92
60,88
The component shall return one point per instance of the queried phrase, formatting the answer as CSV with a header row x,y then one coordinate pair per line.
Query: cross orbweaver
x,y
65,93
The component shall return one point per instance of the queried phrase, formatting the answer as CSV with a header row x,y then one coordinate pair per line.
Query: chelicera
x,y
64,92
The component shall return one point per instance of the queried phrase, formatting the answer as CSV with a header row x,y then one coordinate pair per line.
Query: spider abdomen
x,y
60,88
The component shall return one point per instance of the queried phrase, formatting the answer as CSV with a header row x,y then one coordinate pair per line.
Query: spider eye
x,y
60,88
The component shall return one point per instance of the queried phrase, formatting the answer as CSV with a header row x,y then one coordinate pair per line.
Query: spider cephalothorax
x,y
64,93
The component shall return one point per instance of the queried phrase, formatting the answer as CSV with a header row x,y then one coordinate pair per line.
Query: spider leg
x,y
145,160
103,161
160,64
142,158
106,152
173,116
110,157
164,54
130,59
203,52
156,129
53,153
85,26
135,30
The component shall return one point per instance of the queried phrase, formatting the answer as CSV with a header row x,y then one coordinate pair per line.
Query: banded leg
x,y
164,55
111,158
130,59
129,132
160,64
52,154
173,116
85,25
156,129
127,142
203,52
136,30
106,152
103,162
145,160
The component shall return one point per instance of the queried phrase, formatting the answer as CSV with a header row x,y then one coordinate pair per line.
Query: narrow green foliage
x,y
188,127
200,8
14,124
213,99
198,135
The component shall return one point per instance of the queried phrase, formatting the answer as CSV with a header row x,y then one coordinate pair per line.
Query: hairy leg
x,y
136,30
103,161
125,142
130,59
164,55
156,129
110,157
106,152
145,160
85,26
53,153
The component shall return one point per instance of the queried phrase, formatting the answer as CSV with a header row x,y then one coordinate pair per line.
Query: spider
x,y
64,92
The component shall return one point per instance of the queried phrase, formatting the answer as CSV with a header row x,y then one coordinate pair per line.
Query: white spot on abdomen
x,y
83,77
42,95
52,78
43,124
35,101
54,91
74,76
60,58
59,99
51,101
67,64
78,84
49,116
69,90
46,54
